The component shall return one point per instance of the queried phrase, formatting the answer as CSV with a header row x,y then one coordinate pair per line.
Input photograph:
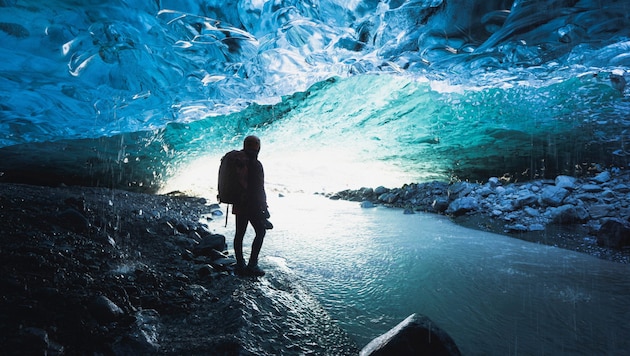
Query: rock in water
x,y
614,233
416,335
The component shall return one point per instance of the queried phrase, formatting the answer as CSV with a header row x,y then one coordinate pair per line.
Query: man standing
x,y
252,210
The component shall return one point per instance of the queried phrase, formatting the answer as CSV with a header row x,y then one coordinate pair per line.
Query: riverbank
x,y
588,214
93,270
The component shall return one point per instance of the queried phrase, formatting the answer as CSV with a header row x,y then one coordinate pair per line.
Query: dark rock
x,y
462,206
35,341
603,177
209,243
73,220
143,337
104,310
460,189
389,198
553,196
367,204
367,192
223,264
614,233
440,205
568,214
566,182
416,335
494,182
380,190
524,199
591,188
599,211
205,270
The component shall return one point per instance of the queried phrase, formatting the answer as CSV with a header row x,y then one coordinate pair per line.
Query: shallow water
x,y
371,268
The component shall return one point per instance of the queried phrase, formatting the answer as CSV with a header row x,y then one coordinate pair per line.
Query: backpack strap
x,y
227,213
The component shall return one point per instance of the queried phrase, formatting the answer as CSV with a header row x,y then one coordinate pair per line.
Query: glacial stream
x,y
495,295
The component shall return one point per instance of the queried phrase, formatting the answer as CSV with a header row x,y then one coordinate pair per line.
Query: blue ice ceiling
x,y
170,79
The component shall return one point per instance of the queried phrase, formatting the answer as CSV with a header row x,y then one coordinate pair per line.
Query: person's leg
x,y
241,227
260,230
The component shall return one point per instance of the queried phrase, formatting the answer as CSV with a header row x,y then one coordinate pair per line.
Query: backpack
x,y
233,177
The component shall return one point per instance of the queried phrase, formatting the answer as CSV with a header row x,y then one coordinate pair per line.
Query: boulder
x,y
524,199
210,243
380,190
461,206
566,182
440,205
367,204
568,214
603,177
614,233
416,335
553,196
460,189
104,310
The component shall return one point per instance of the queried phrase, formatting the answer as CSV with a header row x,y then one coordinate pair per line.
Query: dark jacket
x,y
255,198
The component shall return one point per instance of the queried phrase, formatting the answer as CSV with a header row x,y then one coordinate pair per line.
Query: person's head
x,y
251,144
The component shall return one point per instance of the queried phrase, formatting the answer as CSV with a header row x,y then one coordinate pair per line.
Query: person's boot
x,y
240,269
255,270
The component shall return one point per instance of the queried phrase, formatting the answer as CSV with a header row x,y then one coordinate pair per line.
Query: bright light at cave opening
x,y
324,170
196,178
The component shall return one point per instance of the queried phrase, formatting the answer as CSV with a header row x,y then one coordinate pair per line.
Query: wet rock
x,y
526,198
205,270
591,188
553,196
143,337
416,335
614,233
389,198
460,190
223,264
603,177
462,206
440,205
567,214
367,204
35,341
494,182
566,182
598,211
208,244
380,190
73,220
104,310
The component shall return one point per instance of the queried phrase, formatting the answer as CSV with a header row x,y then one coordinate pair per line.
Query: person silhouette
x,y
252,210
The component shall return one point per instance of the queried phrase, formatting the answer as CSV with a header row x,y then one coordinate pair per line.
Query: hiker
x,y
253,210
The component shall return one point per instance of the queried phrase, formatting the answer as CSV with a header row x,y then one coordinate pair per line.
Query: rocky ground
x,y
587,214
100,271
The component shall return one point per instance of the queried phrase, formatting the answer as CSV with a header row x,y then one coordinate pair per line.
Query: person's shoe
x,y
255,271
240,269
